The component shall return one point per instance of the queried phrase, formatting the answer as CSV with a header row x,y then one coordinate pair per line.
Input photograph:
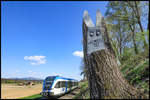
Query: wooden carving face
x,y
94,40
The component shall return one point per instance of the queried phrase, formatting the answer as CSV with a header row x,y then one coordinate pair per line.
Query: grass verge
x,y
84,91
35,96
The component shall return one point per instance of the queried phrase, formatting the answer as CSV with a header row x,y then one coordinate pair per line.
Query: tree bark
x,y
106,81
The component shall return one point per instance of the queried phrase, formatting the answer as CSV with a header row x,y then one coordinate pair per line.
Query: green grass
x,y
136,71
35,96
84,93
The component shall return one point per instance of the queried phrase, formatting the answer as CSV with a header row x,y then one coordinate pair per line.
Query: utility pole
x,y
104,77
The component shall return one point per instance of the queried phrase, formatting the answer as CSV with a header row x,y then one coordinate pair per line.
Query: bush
x,y
136,69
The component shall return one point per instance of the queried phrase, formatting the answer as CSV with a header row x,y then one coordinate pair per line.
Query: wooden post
x,y
104,77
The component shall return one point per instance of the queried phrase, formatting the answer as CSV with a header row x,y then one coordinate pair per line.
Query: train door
x,y
57,88
63,86
66,86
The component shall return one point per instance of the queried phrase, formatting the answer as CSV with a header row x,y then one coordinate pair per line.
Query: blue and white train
x,y
56,86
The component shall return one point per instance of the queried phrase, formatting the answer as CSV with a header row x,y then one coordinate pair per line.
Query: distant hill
x,y
26,78
20,80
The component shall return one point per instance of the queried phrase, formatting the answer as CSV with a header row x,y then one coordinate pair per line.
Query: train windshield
x,y
50,78
48,82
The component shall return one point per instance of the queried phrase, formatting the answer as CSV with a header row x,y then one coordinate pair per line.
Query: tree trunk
x,y
148,22
140,24
104,77
106,81
120,40
134,43
133,37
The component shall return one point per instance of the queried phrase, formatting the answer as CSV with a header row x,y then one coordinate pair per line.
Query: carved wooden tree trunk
x,y
104,78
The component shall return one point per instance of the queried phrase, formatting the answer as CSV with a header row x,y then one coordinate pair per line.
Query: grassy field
x,y
13,91
35,96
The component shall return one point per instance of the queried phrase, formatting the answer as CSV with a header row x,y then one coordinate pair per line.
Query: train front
x,y
47,87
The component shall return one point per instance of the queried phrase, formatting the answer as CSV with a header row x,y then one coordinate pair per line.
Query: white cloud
x,y
38,59
78,53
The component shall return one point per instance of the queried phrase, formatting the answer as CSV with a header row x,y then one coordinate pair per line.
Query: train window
x,y
73,84
60,84
57,85
69,84
63,84
50,78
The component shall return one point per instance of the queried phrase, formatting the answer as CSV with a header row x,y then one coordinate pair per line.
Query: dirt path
x,y
11,91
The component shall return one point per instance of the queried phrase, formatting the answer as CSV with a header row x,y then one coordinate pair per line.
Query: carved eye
x,y
91,34
97,33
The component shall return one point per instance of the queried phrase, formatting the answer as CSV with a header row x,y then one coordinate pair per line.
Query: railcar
x,y
56,86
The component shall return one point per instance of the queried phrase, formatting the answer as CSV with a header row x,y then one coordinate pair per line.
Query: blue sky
x,y
43,38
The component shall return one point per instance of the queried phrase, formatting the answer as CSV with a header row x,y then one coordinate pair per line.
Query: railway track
x,y
68,95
